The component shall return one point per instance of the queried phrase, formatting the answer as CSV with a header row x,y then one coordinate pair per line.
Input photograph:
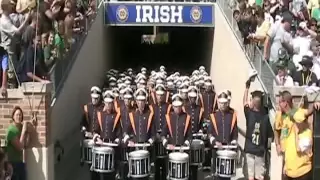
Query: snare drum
x,y
103,159
178,167
160,150
226,163
87,146
139,164
197,152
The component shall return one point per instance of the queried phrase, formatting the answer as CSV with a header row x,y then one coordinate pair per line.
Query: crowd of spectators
x,y
287,33
37,34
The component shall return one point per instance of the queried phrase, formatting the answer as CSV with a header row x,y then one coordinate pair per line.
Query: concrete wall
x,y
88,70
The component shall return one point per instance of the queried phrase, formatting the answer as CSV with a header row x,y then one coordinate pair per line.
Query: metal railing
x,y
60,71
252,51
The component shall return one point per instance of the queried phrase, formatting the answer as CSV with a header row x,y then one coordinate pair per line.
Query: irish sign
x,y
159,14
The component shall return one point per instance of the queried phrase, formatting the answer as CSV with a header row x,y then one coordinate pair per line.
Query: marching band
x,y
176,125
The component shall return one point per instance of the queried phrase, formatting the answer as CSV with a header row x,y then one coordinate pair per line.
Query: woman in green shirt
x,y
16,138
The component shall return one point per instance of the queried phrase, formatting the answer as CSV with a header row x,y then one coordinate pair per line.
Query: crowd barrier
x,y
253,52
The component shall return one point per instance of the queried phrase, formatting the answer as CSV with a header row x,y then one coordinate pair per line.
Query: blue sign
x,y
159,14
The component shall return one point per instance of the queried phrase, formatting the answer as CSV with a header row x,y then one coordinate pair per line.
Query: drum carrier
x,y
197,152
226,162
139,164
87,146
103,159
178,166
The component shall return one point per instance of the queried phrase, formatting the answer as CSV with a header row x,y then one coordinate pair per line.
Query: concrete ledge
x,y
28,88
297,91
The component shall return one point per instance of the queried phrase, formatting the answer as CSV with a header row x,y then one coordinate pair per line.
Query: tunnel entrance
x,y
187,49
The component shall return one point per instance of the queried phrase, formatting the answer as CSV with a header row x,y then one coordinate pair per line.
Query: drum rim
x,y
172,156
227,153
139,153
102,149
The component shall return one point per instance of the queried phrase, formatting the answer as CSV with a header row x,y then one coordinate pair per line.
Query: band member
x,y
141,120
258,131
108,129
177,131
126,106
194,110
160,110
208,99
109,121
223,130
89,122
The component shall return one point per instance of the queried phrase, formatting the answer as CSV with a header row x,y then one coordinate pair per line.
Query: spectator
x,y
17,139
305,77
32,66
9,33
298,151
282,77
278,37
50,51
263,26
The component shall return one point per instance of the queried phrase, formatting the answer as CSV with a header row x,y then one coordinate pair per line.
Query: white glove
x,y
150,141
95,137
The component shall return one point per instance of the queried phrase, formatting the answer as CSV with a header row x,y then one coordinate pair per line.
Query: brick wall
x,y
32,98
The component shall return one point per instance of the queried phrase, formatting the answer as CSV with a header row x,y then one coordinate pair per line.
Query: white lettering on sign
x,y
159,14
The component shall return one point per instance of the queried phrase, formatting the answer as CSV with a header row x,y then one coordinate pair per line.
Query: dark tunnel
x,y
187,49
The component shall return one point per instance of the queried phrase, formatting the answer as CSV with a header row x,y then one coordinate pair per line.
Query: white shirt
x,y
287,81
316,66
301,46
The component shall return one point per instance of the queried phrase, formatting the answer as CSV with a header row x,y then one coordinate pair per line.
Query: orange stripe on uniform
x,y
167,96
214,102
116,119
132,123
187,125
214,122
169,109
85,109
234,120
183,109
99,119
150,117
201,113
201,100
169,123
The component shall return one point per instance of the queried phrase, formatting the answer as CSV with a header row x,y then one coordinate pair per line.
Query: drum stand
x,y
196,172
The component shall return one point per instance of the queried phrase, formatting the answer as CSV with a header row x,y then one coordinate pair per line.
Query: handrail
x,y
60,70
254,55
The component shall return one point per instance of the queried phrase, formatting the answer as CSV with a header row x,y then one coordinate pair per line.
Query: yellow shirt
x,y
297,164
284,124
313,4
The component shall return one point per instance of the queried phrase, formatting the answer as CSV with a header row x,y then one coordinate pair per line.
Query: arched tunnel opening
x,y
186,50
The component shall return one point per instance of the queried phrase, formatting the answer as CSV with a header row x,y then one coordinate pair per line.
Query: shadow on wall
x,y
66,112
36,156
188,48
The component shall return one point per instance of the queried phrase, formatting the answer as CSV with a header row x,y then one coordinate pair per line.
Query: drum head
x,y
102,149
227,153
139,153
88,142
178,156
197,144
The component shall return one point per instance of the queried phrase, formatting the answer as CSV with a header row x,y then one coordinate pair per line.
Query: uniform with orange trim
x,y
194,109
177,130
109,120
125,107
208,98
89,120
223,128
141,120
